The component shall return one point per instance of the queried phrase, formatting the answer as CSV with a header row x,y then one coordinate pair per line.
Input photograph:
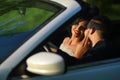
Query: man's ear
x,y
92,30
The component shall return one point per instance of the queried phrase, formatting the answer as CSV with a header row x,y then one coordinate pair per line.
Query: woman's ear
x,y
92,30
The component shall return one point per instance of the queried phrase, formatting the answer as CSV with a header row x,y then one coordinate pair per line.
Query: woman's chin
x,y
77,36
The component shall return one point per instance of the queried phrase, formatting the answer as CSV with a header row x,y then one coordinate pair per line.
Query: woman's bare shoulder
x,y
66,39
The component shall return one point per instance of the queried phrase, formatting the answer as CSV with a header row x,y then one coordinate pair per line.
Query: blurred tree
x,y
103,5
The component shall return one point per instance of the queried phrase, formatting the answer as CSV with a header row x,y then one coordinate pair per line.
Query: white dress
x,y
66,49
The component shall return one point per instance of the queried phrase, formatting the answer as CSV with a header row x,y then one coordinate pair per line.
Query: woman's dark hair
x,y
78,20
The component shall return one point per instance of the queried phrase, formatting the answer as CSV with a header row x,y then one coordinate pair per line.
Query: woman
x,y
77,30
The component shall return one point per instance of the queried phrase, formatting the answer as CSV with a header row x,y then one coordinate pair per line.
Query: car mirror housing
x,y
45,63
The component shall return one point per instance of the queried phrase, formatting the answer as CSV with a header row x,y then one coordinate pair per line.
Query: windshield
x,y
19,20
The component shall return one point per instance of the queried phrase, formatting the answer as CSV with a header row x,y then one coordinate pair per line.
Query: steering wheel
x,y
50,47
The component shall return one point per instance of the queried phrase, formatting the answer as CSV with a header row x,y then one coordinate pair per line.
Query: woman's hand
x,y
82,48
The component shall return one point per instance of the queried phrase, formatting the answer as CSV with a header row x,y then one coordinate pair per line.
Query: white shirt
x,y
66,49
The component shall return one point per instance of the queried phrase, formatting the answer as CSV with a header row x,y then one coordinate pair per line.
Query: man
x,y
95,36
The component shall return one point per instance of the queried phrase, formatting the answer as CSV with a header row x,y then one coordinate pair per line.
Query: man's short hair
x,y
100,22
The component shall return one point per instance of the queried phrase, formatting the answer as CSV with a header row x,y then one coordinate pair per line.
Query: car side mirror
x,y
45,63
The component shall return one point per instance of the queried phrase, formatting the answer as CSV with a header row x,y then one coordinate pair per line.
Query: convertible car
x,y
32,30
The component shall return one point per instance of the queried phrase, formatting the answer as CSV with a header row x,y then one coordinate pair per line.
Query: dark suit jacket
x,y
102,50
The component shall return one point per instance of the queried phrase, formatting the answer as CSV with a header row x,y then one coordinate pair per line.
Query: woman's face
x,y
78,29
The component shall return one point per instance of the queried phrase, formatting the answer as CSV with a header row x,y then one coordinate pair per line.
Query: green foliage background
x,y
110,8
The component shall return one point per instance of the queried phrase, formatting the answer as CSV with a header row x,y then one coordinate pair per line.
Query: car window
x,y
19,20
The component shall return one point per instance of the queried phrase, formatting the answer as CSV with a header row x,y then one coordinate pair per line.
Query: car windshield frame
x,y
21,8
